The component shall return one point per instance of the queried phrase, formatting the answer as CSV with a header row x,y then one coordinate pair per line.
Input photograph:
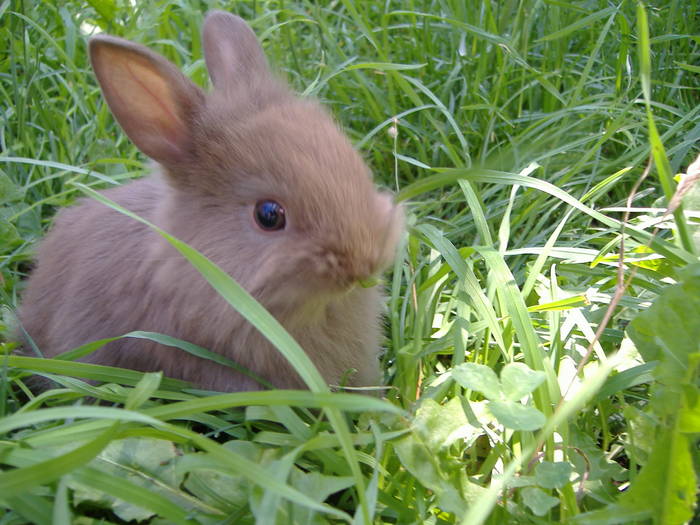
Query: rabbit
x,y
261,182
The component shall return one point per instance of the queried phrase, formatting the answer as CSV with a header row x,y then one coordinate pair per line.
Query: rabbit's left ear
x,y
233,55
152,101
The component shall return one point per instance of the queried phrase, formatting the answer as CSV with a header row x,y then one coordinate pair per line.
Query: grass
x,y
543,313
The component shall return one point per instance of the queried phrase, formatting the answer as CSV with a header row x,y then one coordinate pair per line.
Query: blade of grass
x,y
663,167
447,176
17,481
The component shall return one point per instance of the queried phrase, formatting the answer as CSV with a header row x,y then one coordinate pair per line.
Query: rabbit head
x,y
260,181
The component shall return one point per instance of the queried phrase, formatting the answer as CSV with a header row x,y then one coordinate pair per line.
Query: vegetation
x,y
542,356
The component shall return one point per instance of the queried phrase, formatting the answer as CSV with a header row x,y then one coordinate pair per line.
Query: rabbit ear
x,y
233,55
150,98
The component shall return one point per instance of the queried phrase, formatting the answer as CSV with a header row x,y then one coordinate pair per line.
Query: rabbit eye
x,y
269,215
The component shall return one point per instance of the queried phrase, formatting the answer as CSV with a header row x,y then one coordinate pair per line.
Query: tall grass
x,y
543,314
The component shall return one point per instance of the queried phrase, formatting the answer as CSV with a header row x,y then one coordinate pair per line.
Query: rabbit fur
x,y
102,274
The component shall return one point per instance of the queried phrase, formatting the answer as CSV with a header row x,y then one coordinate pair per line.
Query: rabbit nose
x,y
348,270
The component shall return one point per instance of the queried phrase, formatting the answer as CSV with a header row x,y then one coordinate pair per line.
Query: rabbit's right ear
x,y
234,58
151,99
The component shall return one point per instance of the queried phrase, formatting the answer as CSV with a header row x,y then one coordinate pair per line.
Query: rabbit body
x,y
102,274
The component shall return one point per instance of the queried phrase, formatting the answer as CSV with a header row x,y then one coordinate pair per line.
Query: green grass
x,y
523,133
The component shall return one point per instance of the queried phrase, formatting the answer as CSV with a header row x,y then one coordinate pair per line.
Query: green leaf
x,y
35,509
106,9
301,398
479,378
665,489
9,191
317,485
8,234
519,380
690,416
61,506
124,490
454,491
553,475
50,414
530,342
669,330
143,390
213,483
17,481
219,489
576,301
238,463
538,501
383,66
593,461
516,416
688,67
198,351
626,379
422,463
442,425
643,431
456,261
148,463
109,374
584,23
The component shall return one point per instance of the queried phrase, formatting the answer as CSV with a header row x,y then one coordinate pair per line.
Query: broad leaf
x,y
441,425
145,462
516,416
669,331
551,475
538,501
480,378
518,380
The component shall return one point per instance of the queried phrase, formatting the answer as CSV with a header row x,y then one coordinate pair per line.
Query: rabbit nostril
x,y
345,270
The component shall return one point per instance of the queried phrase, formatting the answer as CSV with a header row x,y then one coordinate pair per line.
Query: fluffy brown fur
x,y
101,274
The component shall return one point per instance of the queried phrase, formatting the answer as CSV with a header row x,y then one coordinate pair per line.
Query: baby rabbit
x,y
262,183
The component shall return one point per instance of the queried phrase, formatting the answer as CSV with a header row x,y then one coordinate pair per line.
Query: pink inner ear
x,y
155,94
148,96
162,128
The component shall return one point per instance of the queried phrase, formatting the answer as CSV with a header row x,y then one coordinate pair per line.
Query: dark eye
x,y
269,215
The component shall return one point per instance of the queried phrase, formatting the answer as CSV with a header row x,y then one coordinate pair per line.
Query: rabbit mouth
x,y
341,283
316,279
344,272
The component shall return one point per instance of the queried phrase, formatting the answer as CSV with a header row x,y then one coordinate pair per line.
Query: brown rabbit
x,y
262,183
